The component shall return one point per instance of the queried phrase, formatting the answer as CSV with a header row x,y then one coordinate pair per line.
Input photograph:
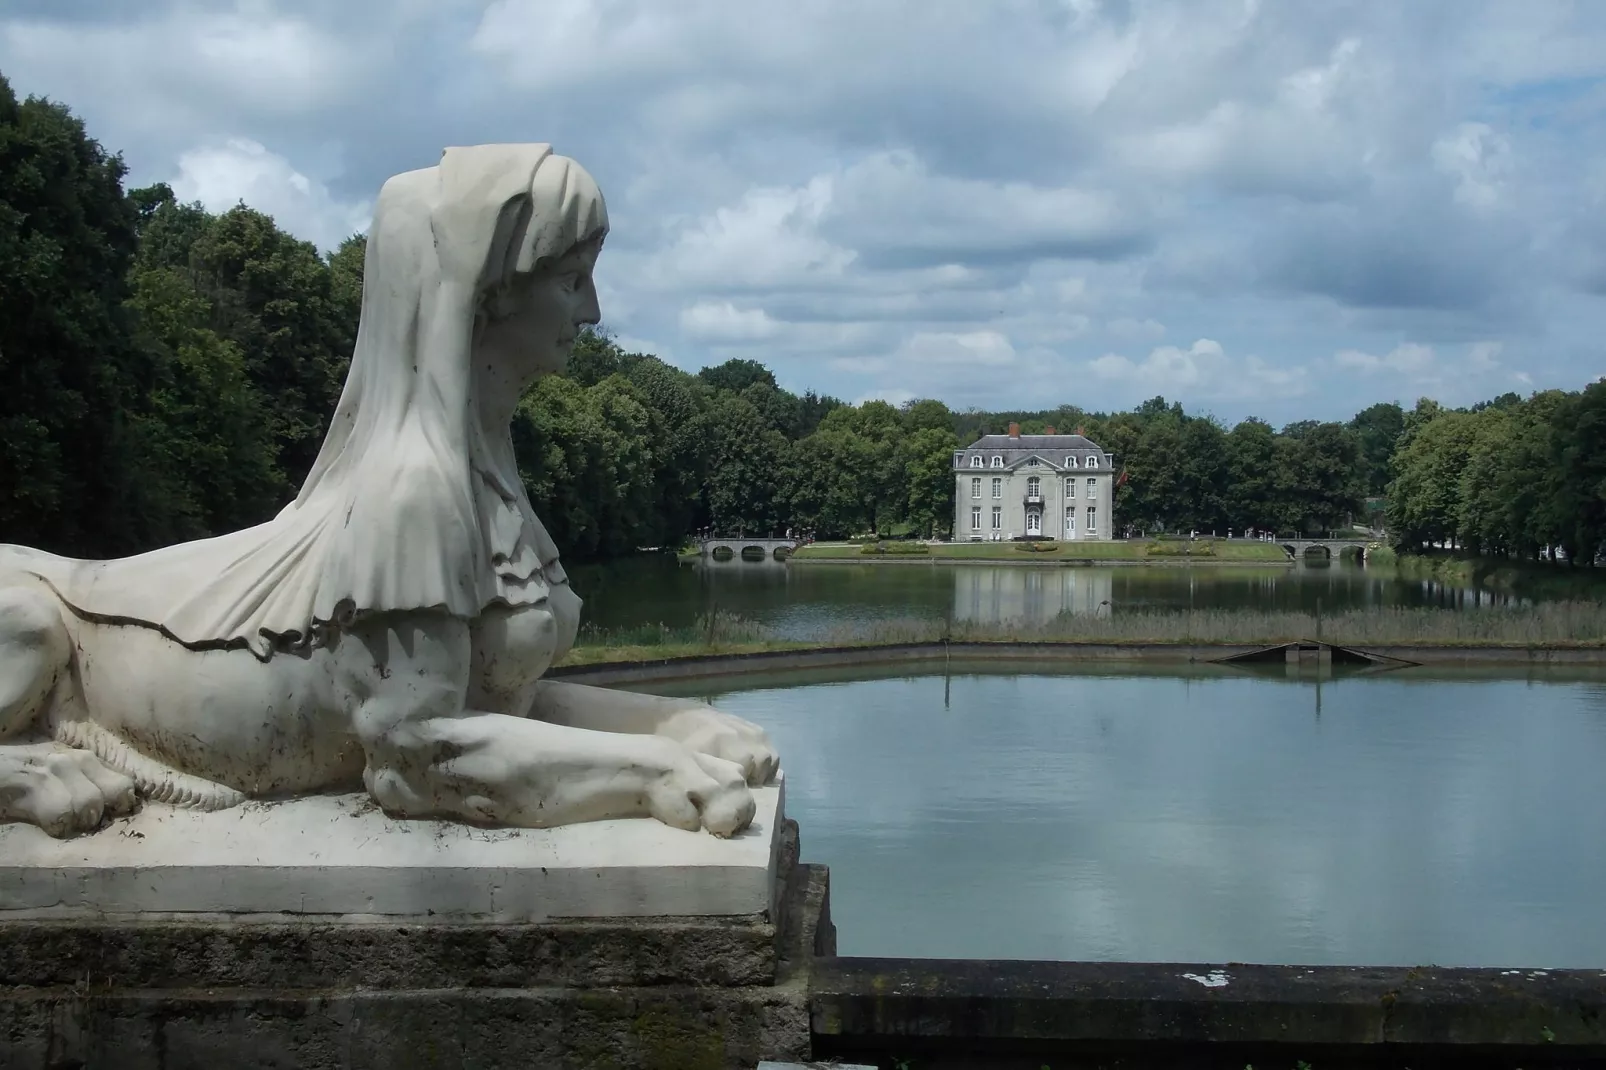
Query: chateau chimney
x,y
1014,430
1048,431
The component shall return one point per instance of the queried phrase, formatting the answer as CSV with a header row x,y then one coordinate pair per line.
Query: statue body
x,y
391,627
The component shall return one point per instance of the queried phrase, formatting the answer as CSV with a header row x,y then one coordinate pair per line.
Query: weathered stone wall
x,y
942,1015
321,994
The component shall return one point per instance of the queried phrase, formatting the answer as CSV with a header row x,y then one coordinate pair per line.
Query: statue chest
x,y
515,645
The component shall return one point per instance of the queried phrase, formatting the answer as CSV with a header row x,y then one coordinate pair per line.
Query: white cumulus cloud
x,y
241,170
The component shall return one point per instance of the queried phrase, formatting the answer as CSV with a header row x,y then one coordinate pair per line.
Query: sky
x,y
1283,208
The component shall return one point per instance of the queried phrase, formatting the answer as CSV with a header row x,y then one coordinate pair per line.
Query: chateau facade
x,y
1044,486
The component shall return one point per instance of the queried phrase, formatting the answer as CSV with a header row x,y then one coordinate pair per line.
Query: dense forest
x,y
166,373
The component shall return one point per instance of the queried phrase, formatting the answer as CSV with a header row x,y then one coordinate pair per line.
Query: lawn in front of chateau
x,y
1134,550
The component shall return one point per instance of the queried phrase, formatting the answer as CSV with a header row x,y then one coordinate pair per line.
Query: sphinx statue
x,y
390,627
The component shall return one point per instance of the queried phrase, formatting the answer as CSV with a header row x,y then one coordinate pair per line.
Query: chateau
x,y
1047,486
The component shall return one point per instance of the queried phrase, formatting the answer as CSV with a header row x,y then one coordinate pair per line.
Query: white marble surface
x,y
338,855
390,627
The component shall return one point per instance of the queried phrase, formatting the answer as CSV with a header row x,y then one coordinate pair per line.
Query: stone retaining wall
x,y
699,665
946,1015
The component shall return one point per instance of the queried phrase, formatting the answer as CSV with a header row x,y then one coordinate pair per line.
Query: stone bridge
x,y
746,548
1297,548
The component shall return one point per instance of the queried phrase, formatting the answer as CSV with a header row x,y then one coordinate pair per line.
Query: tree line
x,y
167,373
1513,477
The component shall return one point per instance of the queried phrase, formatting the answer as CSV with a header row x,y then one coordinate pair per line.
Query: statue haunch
x,y
390,627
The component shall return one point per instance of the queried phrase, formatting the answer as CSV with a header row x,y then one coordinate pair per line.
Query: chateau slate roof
x,y
1034,443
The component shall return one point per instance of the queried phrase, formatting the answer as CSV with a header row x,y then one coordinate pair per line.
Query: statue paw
x,y
62,790
706,730
707,793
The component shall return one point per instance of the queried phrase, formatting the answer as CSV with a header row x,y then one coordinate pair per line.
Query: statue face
x,y
535,323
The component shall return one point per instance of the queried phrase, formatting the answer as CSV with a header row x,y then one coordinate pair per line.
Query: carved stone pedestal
x,y
483,948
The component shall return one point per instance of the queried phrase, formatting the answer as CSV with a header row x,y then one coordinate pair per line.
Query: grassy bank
x,y
1550,624
1534,579
1136,551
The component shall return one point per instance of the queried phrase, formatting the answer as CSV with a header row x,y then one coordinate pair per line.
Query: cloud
x,y
1202,370
889,197
239,170
724,322
1477,158
1465,375
899,214
768,240
1131,330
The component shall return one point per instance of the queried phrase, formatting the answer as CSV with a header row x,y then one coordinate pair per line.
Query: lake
x,y
1208,815
807,601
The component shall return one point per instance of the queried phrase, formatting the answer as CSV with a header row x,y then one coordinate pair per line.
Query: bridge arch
x,y
1299,549
746,548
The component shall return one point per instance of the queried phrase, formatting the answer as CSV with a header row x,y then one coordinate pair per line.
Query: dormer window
x,y
1092,460
975,460
998,460
1070,462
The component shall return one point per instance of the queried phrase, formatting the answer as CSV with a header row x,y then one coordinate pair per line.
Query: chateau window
x,y
1070,522
975,487
1070,462
975,460
1034,487
1092,488
1032,463
975,518
998,487
1092,520
1092,460
998,518
1070,486
998,460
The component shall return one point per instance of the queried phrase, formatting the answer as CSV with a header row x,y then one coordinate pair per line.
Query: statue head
x,y
539,292
476,279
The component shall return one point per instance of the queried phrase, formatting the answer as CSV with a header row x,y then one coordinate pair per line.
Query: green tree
x,y
272,296
1424,496
834,476
595,356
201,457
927,466
1325,478
678,402
68,369
1579,494
737,375
1251,493
587,457
1377,431
744,490
928,414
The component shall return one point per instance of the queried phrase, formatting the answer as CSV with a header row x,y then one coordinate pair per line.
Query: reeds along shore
x,y
1547,624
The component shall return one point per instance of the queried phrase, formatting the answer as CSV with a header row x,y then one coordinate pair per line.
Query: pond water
x,y
1210,815
806,601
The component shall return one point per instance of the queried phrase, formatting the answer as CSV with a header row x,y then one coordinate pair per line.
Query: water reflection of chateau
x,y
994,595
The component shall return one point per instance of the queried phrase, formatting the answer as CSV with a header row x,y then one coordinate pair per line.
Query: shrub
x,y
1202,548
896,549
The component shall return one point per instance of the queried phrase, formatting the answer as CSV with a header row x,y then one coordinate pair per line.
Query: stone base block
x,y
338,856
677,993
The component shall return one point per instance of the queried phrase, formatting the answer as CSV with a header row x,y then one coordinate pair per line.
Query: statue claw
x,y
708,731
62,790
